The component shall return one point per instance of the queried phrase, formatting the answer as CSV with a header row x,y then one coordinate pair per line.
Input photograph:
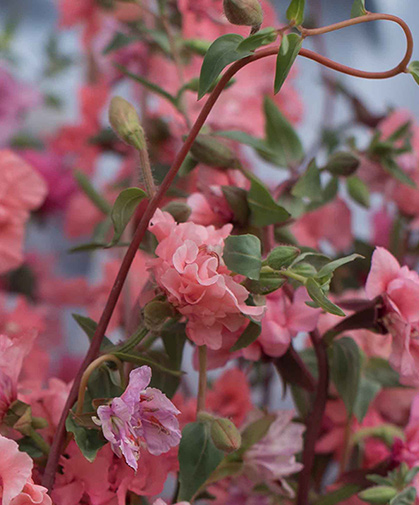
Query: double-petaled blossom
x,y
399,288
140,417
190,270
16,485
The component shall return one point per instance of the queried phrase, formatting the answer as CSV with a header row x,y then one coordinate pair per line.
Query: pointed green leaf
x,y
316,294
87,187
263,208
221,53
406,497
281,136
89,327
244,138
346,370
198,458
249,335
414,70
392,167
295,11
88,440
309,185
333,265
141,360
288,52
358,191
358,9
242,255
259,39
124,208
367,391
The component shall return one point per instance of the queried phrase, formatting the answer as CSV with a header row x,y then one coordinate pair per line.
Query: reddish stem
x,y
314,420
94,349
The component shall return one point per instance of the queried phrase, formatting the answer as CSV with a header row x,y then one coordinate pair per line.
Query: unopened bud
x,y
16,410
283,256
125,123
38,423
244,12
378,494
344,164
179,210
225,435
269,281
155,314
210,151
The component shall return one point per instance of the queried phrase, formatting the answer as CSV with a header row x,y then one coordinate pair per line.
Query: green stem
x,y
39,441
293,275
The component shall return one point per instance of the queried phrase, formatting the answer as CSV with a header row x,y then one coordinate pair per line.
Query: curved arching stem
x,y
94,349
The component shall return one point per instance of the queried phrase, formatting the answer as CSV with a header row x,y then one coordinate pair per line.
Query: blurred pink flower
x,y
190,270
140,416
399,288
331,222
16,98
21,190
16,485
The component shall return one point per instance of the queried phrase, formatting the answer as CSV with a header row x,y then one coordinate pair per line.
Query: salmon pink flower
x,y
189,269
16,485
399,288
141,416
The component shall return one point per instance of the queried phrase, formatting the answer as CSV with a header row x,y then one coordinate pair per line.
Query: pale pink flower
x,y
382,224
159,501
284,318
274,457
16,485
189,269
331,222
21,190
399,288
140,416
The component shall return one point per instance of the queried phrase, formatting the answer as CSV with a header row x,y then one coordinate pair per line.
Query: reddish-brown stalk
x,y
94,349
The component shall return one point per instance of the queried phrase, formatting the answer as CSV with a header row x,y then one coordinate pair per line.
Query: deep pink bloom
x,y
16,485
189,269
399,288
140,416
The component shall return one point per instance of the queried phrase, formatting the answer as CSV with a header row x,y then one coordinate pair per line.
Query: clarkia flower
x,y
140,417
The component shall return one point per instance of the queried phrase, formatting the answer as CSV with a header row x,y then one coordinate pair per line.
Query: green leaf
x,y
242,255
87,187
333,265
288,52
118,41
244,138
295,11
198,458
346,370
254,432
358,191
339,495
378,494
358,9
391,166
221,53
140,360
259,39
380,371
263,208
406,497
249,335
88,440
151,86
89,327
124,208
309,185
414,70
281,136
367,391
316,294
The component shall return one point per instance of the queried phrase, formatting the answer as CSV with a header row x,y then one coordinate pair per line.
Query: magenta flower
x,y
140,417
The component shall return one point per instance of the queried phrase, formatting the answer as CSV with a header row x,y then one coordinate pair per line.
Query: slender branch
x,y
49,474
314,419
202,385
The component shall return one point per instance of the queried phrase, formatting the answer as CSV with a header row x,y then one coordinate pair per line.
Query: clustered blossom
x,y
190,270
399,288
141,416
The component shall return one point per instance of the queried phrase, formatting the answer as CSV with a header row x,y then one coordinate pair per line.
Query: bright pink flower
x,y
141,416
16,98
284,319
331,222
21,190
382,224
274,457
16,485
189,269
399,288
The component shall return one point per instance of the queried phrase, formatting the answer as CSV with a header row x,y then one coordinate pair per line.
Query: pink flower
x,y
408,450
189,269
21,190
331,222
159,501
16,98
16,485
284,319
273,457
141,416
399,288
